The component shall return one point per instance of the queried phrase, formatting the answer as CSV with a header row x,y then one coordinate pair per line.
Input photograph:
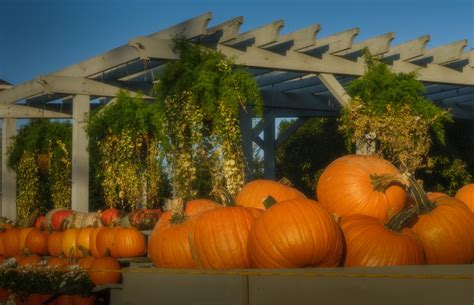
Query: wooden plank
x,y
17,111
409,49
376,45
443,54
335,88
225,31
8,202
258,37
334,43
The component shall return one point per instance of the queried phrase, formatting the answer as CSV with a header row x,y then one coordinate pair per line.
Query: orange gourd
x,y
11,244
83,240
104,241
70,248
169,243
100,271
37,241
359,184
55,243
128,242
22,236
295,233
254,193
466,195
93,242
370,243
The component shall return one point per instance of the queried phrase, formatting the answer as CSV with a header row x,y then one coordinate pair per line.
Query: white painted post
x,y
80,155
8,203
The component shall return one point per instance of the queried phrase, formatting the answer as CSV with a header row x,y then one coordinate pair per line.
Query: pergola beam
x,y
409,49
443,54
227,30
335,88
18,111
297,101
376,45
258,37
297,40
334,43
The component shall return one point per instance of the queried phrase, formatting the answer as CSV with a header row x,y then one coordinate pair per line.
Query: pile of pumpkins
x,y
365,213
91,240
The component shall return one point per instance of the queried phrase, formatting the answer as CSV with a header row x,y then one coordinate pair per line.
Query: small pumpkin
x,y
11,242
128,242
55,243
360,184
55,218
294,234
70,249
466,195
370,243
83,239
37,241
102,271
110,216
445,228
254,193
93,242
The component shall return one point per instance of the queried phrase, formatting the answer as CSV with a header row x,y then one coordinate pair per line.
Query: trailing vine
x,y
199,97
28,187
389,110
125,137
60,171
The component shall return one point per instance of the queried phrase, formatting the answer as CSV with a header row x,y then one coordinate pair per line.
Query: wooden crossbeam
x,y
276,77
298,101
297,40
18,111
435,73
227,30
409,49
334,43
376,45
443,54
335,88
258,37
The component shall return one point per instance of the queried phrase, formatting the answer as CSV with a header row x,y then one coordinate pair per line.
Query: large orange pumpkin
x,y
83,240
466,195
445,228
55,243
104,241
11,242
218,238
294,234
369,243
254,193
102,270
128,242
93,242
169,243
37,241
22,237
70,248
359,184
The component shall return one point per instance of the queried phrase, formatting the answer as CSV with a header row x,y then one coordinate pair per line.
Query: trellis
x,y
299,76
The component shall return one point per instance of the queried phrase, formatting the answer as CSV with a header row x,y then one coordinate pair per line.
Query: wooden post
x,y
269,145
80,155
8,202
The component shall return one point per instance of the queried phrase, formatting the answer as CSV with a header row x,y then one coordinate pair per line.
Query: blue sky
x,y
40,36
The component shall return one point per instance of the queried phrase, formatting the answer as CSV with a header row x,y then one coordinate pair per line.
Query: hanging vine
x,y
28,187
125,138
199,99
390,111
59,174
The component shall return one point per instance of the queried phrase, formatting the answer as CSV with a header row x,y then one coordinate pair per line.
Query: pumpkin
x,y
37,241
80,220
55,243
11,244
432,196
86,261
128,242
81,300
445,228
93,242
40,222
218,238
55,218
370,243
254,193
28,259
83,240
22,237
70,248
110,216
104,241
359,184
144,219
169,244
100,270
57,262
2,252
466,195
294,234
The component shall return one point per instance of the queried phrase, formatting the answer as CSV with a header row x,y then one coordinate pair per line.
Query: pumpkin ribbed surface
x,y
37,241
55,243
128,242
466,195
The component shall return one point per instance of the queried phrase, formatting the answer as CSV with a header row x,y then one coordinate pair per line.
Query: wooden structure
x,y
299,75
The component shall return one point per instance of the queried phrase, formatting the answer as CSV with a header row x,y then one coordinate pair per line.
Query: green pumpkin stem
x,y
381,182
269,201
224,196
422,202
399,220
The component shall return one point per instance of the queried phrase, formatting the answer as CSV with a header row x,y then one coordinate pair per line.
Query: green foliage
x,y
125,155
391,107
199,97
303,157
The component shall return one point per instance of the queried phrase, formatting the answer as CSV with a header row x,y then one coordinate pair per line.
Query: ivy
x,y
390,107
199,97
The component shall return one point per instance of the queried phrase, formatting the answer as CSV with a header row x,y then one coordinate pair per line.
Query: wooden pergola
x,y
299,75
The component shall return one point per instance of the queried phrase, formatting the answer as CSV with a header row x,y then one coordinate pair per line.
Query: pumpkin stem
x,y
398,221
381,182
285,181
423,204
269,201
177,207
224,196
